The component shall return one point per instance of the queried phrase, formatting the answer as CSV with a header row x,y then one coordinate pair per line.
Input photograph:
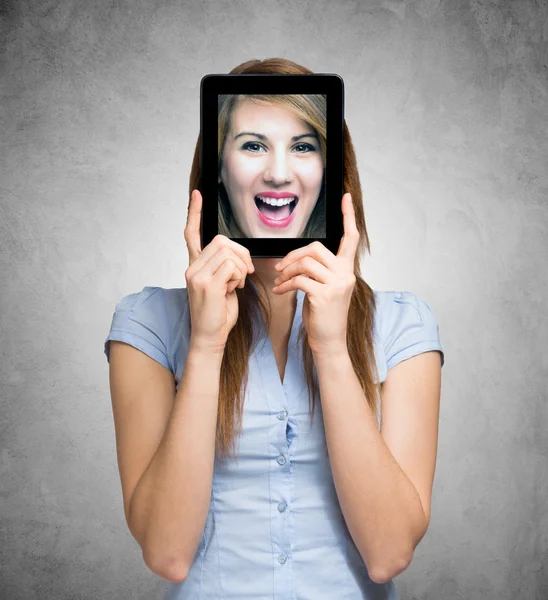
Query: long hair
x,y
251,305
310,108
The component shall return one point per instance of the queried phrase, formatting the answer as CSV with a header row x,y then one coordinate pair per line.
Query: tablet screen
x,y
272,151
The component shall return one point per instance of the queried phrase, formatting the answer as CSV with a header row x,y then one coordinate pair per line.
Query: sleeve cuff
x,y
139,343
414,349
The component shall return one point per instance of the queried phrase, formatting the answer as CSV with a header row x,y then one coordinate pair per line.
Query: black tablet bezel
x,y
318,83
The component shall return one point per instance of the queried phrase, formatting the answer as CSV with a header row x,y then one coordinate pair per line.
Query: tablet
x,y
271,160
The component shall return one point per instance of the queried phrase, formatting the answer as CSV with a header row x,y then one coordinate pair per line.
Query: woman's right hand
x,y
212,277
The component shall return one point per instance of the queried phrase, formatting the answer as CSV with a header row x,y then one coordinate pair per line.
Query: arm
x,y
167,502
383,479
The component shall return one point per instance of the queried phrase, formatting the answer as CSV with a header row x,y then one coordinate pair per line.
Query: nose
x,y
278,169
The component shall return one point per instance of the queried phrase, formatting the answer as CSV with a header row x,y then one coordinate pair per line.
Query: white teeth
x,y
277,202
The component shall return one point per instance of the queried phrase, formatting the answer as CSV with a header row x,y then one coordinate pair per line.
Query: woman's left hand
x,y
328,282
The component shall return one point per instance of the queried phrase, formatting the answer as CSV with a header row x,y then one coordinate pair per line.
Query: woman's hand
x,y
328,281
212,277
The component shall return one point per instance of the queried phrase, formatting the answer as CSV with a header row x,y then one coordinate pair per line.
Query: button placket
x,y
280,398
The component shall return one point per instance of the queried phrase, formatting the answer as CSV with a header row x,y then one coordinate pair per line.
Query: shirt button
x,y
281,459
282,506
282,558
282,415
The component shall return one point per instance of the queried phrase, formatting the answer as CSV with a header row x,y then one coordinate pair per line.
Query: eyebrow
x,y
263,137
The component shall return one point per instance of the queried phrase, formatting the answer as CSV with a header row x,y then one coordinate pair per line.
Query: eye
x,y
308,148
247,145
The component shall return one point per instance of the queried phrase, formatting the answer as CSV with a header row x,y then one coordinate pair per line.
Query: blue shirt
x,y
275,529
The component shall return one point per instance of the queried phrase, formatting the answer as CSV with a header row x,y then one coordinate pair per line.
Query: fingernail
x,y
277,265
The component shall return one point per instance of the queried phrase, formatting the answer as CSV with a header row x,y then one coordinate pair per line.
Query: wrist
x,y
330,353
201,351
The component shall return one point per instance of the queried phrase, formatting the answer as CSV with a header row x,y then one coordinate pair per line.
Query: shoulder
x,y
153,302
405,325
176,303
147,320
147,304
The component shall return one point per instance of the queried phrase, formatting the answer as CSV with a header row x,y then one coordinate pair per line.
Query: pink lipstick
x,y
276,215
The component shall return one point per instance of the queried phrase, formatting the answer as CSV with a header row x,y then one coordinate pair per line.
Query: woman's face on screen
x,y
272,170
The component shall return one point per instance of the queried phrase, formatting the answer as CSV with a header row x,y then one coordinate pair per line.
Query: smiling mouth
x,y
276,209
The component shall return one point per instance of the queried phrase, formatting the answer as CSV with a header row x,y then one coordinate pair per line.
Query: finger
x,y
306,266
232,285
226,274
192,229
221,240
225,254
300,282
316,249
351,237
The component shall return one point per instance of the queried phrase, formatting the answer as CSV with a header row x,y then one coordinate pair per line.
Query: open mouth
x,y
276,210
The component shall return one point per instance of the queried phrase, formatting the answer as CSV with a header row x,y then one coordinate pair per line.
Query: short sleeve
x,y
140,320
411,329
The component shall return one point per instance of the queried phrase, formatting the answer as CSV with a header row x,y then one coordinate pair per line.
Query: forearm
x,y
170,503
381,506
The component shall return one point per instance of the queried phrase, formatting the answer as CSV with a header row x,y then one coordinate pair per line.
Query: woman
x,y
273,140
330,507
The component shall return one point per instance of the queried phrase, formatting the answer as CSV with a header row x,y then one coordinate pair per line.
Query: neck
x,y
266,273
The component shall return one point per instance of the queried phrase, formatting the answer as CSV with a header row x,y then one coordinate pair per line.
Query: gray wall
x,y
447,103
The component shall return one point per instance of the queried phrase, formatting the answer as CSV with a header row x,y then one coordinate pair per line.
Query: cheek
x,y
312,173
242,171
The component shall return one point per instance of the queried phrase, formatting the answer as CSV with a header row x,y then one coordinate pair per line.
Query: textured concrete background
x,y
447,103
